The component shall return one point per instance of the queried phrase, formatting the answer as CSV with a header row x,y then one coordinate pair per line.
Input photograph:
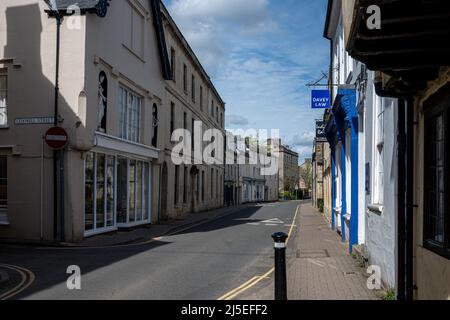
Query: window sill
x,y
436,249
375,208
5,127
134,53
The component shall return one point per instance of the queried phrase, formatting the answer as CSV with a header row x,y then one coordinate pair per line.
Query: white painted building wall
x,y
381,154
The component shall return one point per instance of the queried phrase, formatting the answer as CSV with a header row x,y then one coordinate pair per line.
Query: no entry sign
x,y
56,138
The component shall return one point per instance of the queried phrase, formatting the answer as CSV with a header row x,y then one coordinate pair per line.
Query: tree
x,y
306,175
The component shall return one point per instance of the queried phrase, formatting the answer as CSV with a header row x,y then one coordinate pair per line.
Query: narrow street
x,y
201,263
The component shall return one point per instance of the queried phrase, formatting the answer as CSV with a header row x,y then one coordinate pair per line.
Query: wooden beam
x,y
403,52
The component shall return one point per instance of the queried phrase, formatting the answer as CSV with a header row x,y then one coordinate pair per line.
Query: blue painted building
x,y
342,134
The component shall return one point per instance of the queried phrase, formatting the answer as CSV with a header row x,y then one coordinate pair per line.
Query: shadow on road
x,y
240,217
50,264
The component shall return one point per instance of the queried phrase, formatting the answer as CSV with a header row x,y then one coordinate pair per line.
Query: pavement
x,y
223,254
319,266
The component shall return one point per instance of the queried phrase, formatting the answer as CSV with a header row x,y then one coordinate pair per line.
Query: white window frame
x,y
4,209
137,49
126,124
95,230
339,182
378,151
116,225
4,104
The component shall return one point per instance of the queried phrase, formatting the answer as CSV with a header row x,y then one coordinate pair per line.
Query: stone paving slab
x,y
319,265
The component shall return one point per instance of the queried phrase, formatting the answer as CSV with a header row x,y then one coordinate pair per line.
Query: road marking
x,y
270,223
255,280
237,289
276,221
231,295
26,281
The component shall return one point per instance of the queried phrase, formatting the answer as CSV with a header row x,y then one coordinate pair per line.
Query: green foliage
x,y
390,296
320,204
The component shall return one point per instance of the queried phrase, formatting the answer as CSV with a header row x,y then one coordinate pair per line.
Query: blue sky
x,y
260,54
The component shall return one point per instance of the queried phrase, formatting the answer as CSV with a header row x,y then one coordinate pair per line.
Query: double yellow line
x,y
255,280
27,279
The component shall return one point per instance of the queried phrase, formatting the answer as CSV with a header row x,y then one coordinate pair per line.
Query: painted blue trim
x,y
344,189
346,119
354,223
333,187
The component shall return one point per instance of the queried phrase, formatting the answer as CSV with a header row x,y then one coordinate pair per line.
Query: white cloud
x,y
236,121
260,55
303,153
212,27
248,12
303,140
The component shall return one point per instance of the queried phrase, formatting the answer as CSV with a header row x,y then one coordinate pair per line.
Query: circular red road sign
x,y
56,138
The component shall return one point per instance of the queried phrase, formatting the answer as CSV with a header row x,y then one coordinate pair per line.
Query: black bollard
x,y
280,266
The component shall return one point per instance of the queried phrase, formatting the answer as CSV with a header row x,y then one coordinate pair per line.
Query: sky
x,y
260,54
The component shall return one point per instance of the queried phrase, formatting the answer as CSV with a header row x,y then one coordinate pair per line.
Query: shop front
x,y
117,186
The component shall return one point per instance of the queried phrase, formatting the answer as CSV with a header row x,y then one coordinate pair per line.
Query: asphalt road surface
x,y
202,263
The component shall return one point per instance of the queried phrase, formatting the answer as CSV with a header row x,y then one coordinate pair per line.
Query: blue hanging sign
x,y
320,99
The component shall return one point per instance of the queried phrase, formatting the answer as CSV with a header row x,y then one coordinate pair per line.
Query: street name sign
x,y
320,99
34,120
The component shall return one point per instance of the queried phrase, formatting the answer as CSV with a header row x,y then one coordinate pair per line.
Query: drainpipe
x,y
58,17
401,223
410,199
42,190
405,200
